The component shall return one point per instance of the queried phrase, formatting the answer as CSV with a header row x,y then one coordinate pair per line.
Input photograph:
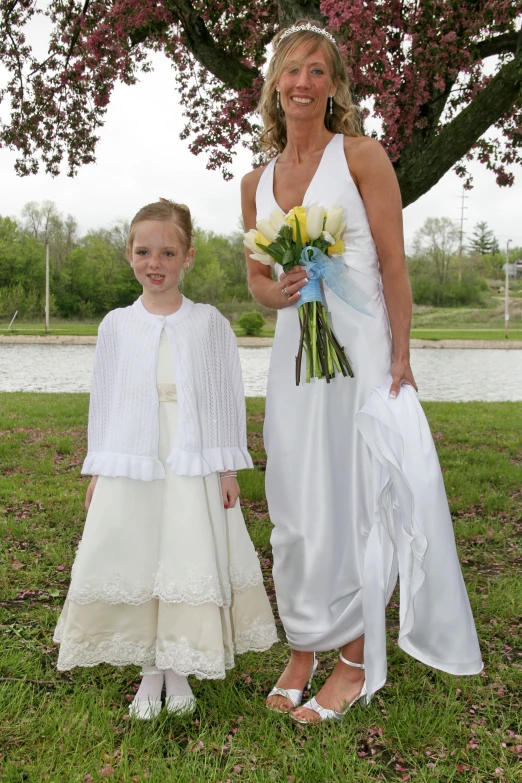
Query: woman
x,y
353,483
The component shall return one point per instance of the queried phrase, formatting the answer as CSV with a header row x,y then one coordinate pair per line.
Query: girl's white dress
x,y
164,575
353,482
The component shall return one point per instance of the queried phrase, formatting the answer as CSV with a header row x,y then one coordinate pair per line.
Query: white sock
x,y
176,684
151,684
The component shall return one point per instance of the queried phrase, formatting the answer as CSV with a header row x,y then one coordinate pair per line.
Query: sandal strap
x,y
292,694
323,712
351,663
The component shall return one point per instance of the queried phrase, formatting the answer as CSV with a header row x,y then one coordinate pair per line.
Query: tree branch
x,y
420,169
289,11
218,61
500,44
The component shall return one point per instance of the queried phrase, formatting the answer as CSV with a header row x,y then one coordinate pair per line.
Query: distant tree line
x,y
445,271
90,274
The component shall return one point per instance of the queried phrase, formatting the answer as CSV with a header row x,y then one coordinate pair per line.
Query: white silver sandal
x,y
326,714
145,709
294,695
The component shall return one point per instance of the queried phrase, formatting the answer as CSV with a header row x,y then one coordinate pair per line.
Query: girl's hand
x,y
401,373
291,284
230,491
90,491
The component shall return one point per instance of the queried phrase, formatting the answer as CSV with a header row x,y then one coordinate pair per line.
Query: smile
x,y
156,278
298,99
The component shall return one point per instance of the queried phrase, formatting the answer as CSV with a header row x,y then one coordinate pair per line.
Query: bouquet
x,y
312,238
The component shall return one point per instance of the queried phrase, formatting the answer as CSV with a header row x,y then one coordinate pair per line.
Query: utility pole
x,y
506,299
462,219
46,284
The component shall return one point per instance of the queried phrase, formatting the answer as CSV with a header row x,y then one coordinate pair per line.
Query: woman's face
x,y
306,84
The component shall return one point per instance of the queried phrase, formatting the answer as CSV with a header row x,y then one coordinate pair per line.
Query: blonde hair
x,y
164,209
345,117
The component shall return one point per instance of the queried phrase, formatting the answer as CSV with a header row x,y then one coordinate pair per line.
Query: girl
x,y
166,576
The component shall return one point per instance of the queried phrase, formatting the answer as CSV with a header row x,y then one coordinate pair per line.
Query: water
x,y
443,375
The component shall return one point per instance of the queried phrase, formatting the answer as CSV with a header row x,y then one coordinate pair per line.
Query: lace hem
x,y
199,589
257,638
180,656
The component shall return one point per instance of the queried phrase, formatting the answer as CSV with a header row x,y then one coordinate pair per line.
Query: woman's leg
x,y
295,676
342,686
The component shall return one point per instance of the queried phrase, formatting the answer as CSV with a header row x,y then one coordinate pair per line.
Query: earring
x,y
278,100
331,104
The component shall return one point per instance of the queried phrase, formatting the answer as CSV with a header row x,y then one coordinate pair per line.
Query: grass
x,y
423,726
465,334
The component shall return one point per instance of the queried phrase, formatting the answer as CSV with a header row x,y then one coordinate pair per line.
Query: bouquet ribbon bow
x,y
335,274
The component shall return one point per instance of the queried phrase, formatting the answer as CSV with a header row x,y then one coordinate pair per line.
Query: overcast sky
x,y
140,157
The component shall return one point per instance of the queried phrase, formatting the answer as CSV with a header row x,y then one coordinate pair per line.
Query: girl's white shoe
x,y
180,705
326,714
293,695
180,700
146,705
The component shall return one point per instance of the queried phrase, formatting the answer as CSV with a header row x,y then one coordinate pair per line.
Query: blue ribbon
x,y
335,274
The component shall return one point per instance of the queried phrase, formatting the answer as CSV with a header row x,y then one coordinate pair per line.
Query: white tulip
x,y
277,219
248,240
314,222
334,219
263,257
267,229
341,231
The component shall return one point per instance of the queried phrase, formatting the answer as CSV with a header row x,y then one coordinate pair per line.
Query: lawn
x,y
466,334
423,726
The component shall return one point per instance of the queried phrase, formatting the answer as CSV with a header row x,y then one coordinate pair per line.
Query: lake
x,y
443,375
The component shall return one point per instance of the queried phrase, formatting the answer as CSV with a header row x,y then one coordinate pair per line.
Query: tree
x,y
437,242
483,240
44,223
439,74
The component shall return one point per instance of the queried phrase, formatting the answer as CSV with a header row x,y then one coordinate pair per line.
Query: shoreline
x,y
257,342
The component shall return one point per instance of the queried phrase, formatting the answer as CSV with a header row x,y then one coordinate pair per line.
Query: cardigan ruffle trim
x,y
183,463
105,463
186,463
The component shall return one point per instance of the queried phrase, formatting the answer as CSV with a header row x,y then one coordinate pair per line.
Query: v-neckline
x,y
316,172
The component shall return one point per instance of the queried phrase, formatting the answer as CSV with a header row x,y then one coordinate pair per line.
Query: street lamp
x,y
506,299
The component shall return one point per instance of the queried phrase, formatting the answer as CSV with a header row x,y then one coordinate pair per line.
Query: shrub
x,y
251,323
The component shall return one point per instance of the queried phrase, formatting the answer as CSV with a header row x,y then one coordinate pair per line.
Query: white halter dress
x,y
353,483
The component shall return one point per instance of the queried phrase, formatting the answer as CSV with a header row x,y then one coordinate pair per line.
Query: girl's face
x,y
158,256
306,84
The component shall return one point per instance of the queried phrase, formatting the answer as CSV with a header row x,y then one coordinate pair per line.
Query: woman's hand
x,y
291,284
90,491
229,490
401,373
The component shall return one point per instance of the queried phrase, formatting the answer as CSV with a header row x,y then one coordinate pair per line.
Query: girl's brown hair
x,y
164,209
345,118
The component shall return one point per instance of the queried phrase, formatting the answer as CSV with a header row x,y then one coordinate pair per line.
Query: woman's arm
x,y
379,189
266,291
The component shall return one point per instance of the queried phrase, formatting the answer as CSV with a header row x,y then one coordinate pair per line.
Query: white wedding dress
x,y
164,575
353,483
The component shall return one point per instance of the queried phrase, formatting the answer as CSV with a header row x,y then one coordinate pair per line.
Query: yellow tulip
x,y
259,239
300,214
337,249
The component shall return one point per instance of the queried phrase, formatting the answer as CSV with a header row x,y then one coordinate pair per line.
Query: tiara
x,y
311,28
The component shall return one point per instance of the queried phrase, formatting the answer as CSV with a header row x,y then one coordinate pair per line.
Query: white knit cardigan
x,y
124,407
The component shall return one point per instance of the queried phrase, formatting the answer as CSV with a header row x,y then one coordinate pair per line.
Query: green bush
x,y
429,291
251,323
